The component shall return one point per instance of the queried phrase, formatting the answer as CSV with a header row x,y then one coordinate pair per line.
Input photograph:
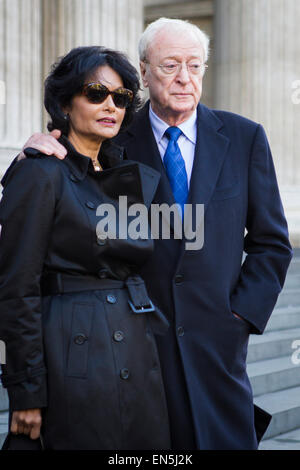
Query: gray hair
x,y
171,25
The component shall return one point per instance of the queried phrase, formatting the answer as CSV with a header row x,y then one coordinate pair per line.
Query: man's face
x,y
173,96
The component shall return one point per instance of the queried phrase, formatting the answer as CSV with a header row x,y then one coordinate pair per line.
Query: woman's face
x,y
97,122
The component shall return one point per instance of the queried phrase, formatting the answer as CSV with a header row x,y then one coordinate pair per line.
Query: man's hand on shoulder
x,y
45,143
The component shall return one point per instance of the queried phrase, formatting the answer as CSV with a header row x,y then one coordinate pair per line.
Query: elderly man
x,y
212,300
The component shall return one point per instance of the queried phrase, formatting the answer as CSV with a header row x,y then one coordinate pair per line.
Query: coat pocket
x,y
226,192
82,319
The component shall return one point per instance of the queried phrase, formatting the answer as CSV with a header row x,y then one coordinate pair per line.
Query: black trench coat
x,y
75,348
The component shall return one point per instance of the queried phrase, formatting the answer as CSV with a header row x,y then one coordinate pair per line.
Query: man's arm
x,y
267,243
45,143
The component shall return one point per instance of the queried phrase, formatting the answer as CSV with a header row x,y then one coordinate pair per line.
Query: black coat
x,y
203,356
76,349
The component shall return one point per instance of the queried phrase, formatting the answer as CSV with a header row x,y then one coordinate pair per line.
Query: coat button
x,y
101,242
118,336
178,279
90,204
80,339
180,331
124,374
102,273
111,299
73,178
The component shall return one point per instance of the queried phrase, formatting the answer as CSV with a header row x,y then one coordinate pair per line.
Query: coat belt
x,y
55,283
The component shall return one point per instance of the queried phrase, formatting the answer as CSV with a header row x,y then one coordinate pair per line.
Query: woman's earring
x,y
66,117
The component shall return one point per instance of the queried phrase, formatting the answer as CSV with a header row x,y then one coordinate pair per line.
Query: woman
x,y
82,365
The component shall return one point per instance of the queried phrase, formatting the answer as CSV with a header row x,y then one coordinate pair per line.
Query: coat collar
x,y
109,156
145,179
188,127
140,145
210,151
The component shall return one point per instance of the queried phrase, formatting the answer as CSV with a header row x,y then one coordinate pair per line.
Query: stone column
x,y
20,74
20,90
33,34
111,23
70,23
256,66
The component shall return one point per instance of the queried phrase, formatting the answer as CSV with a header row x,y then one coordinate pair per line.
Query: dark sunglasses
x,y
97,93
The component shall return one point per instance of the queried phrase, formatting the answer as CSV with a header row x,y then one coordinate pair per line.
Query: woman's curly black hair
x,y
69,74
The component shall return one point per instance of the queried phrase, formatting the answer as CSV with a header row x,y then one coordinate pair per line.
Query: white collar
x,y
188,127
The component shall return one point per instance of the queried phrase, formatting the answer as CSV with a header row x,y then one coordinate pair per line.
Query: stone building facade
x,y
33,33
253,67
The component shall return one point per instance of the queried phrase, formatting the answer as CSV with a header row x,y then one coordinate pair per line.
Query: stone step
x,y
288,297
3,426
292,281
294,267
284,318
272,344
286,441
272,375
3,399
284,406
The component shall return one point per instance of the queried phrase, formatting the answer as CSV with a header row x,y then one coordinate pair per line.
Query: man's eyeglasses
x,y
173,68
97,93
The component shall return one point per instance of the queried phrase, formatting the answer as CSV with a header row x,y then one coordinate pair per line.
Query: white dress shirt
x,y
186,141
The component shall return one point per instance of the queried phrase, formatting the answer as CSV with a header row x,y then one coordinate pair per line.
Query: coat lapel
x,y
210,152
141,146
